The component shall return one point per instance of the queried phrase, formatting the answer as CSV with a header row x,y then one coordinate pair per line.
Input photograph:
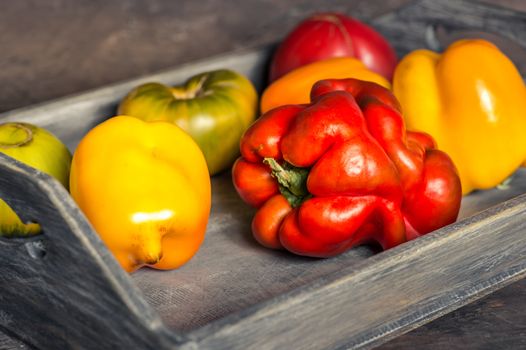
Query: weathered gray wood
x,y
435,24
71,117
493,323
235,294
9,343
54,48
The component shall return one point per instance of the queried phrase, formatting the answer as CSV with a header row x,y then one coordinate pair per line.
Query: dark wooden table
x,y
58,47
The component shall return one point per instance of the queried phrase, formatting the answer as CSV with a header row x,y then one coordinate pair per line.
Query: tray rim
x,y
193,337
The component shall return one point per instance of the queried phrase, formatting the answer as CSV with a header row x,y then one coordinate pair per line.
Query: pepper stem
x,y
191,90
13,135
292,181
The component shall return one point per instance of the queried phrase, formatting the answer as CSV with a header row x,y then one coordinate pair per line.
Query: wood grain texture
x,y
435,24
216,301
10,343
58,47
72,117
495,322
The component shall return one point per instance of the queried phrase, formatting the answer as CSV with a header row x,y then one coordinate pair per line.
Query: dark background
x,y
54,48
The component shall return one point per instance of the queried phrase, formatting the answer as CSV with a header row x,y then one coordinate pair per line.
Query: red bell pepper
x,y
343,171
326,35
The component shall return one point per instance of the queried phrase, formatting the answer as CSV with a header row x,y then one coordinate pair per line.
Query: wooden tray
x,y
63,289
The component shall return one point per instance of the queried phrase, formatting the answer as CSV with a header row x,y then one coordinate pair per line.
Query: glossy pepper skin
x,y
343,171
214,107
145,188
295,86
472,100
332,34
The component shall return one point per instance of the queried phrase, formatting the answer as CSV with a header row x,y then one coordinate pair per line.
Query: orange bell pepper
x,y
295,86
146,190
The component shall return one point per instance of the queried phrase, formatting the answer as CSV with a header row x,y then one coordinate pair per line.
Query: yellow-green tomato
x,y
215,108
40,149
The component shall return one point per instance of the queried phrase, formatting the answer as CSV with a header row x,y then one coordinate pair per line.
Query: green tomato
x,y
39,149
215,108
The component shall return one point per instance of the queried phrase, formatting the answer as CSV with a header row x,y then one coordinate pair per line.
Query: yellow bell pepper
x,y
146,190
472,100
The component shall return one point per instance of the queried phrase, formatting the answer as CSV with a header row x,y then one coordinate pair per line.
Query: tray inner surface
x,y
232,271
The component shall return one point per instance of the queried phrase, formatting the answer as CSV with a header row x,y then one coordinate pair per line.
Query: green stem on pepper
x,y
13,135
292,181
